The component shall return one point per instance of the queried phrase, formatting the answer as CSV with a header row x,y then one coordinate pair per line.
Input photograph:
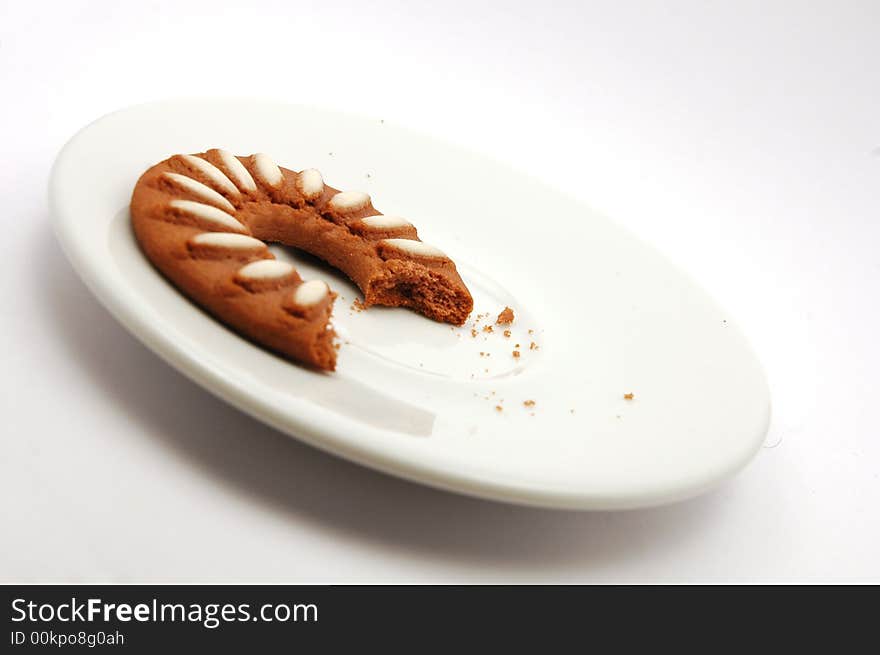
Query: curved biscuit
x,y
201,220
212,257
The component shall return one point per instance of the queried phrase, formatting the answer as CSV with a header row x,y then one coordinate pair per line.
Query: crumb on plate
x,y
505,317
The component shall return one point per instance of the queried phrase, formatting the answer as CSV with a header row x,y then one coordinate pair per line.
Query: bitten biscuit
x,y
202,220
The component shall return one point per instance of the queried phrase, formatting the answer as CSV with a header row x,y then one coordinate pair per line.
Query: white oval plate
x,y
414,398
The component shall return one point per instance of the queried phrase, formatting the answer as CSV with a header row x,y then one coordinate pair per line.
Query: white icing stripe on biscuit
x,y
267,170
206,212
237,171
196,188
227,240
265,269
349,200
311,183
417,248
385,222
218,179
310,293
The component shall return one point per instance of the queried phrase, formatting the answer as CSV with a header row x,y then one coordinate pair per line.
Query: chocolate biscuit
x,y
202,220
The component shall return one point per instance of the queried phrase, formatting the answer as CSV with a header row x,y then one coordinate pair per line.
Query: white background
x,y
743,139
